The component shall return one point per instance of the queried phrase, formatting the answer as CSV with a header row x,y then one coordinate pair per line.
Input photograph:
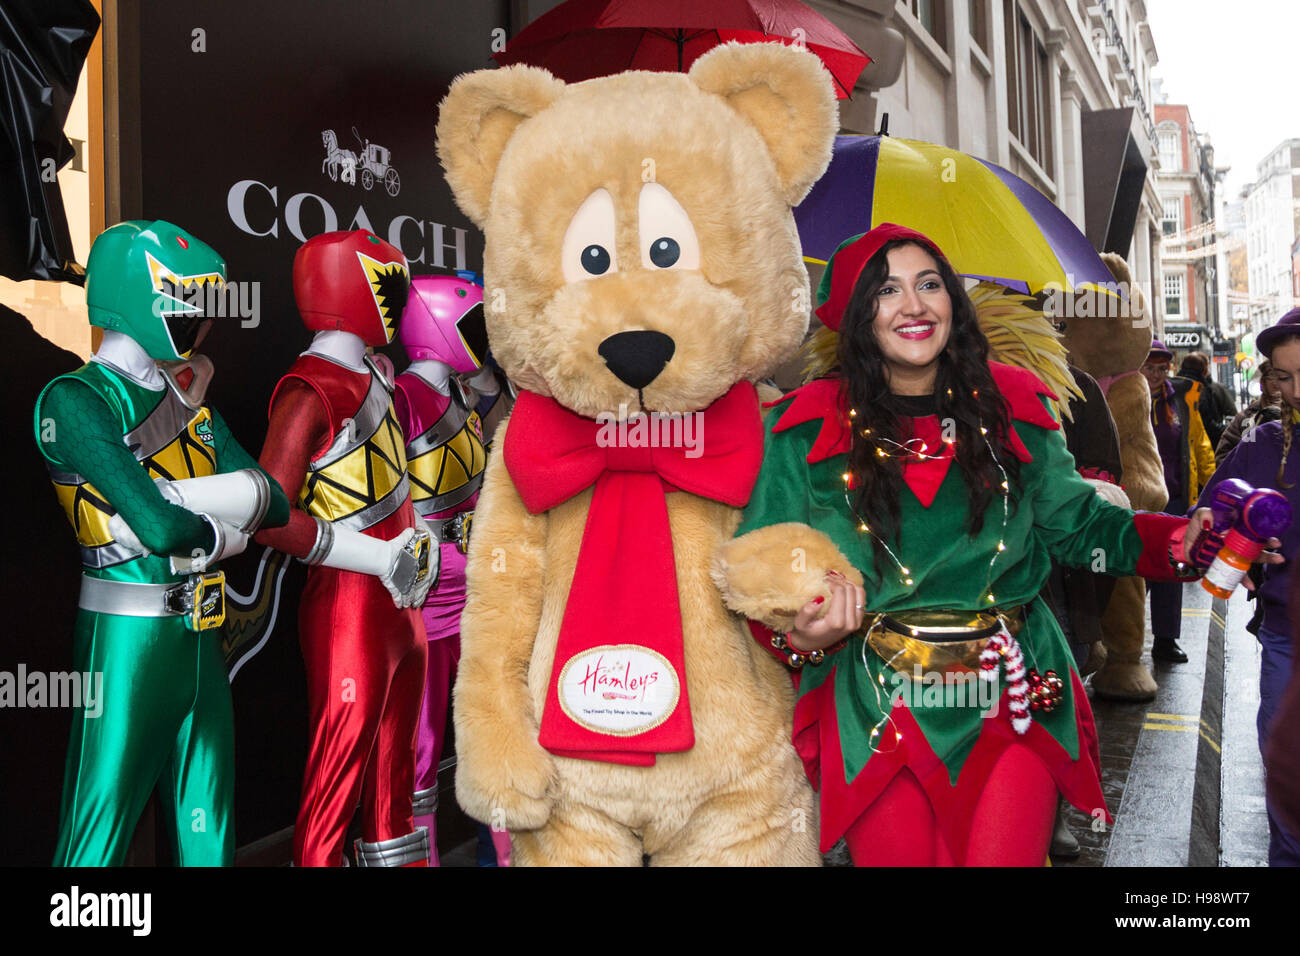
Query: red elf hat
x,y
847,263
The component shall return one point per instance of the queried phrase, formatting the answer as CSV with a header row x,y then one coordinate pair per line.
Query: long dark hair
x,y
965,395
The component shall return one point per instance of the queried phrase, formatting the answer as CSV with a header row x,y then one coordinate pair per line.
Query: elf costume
x,y
151,601
859,722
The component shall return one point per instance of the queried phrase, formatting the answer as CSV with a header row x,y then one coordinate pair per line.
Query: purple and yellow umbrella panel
x,y
992,225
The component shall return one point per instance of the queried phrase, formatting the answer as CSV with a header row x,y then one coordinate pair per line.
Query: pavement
x,y
1182,774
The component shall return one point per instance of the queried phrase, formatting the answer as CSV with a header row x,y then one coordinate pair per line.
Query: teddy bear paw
x,y
767,575
507,791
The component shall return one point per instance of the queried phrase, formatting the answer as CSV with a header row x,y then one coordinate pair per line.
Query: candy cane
x,y
1003,645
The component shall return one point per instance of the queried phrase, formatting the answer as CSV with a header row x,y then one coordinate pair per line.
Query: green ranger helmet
x,y
154,282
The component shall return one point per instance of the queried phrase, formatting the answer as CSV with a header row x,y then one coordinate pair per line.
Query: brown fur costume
x,y
737,142
1106,348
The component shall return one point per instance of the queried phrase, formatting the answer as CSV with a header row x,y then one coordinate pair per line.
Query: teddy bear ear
x,y
787,95
1118,267
1137,301
476,119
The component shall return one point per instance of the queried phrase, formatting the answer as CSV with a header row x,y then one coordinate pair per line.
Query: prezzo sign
x,y
1183,340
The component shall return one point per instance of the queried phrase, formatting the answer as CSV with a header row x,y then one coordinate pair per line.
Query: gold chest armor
x,y
446,462
169,443
361,479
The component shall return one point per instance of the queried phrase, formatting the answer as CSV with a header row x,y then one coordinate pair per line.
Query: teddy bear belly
x,y
741,698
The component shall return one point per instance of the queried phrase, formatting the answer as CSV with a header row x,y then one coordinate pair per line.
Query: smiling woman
x,y
913,319
918,571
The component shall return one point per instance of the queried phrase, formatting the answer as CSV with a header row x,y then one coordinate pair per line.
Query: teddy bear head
x,y
640,247
1108,336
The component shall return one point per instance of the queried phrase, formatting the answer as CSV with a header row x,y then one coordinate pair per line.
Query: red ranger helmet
x,y
351,281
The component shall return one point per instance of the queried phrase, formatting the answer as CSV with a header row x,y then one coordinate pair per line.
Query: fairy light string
x,y
917,449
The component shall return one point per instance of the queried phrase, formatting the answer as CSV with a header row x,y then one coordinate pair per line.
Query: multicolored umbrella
x,y
991,224
582,39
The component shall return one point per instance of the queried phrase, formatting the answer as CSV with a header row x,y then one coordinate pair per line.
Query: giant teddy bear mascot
x,y
642,271
1112,350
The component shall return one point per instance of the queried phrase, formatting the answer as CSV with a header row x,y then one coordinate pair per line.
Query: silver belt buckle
x,y
200,599
460,527
179,599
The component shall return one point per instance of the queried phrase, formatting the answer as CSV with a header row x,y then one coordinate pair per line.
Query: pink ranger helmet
x,y
443,321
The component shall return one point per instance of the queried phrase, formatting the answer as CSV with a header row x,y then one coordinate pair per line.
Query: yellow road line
x,y
1196,612
1184,723
1179,718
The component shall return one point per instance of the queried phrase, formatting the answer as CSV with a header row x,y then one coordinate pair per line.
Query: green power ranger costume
x,y
151,604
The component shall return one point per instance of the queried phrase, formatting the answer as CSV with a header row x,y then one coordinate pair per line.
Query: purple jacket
x,y
1255,460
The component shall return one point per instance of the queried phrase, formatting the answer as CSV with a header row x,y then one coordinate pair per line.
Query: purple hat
x,y
1286,326
1158,348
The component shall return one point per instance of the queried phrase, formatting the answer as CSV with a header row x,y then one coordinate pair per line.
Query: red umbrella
x,y
582,39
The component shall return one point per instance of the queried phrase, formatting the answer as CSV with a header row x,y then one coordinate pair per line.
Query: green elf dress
x,y
856,724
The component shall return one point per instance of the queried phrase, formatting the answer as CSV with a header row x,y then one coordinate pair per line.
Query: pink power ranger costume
x,y
443,333
334,439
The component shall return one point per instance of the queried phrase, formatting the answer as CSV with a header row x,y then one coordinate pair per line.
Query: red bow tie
x,y
618,682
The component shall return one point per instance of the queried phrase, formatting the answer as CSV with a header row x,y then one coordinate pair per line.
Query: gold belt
x,y
938,641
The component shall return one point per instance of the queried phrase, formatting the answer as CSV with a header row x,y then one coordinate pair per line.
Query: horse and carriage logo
x,y
373,162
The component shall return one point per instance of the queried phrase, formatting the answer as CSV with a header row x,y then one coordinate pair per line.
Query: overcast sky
x,y
1235,64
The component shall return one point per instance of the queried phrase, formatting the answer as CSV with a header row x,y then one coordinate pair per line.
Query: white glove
x,y
123,535
229,542
394,561
240,498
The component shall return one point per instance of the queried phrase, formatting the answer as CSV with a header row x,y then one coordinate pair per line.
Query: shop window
x,y
1174,295
930,14
1172,223
1029,108
1170,158
979,23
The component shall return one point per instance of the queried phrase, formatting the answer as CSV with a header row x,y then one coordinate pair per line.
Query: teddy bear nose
x,y
637,357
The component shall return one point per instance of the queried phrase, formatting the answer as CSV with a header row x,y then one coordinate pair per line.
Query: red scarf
x,y
623,697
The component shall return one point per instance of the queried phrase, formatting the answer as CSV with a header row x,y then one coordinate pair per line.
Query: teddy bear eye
x,y
664,252
667,237
588,247
595,259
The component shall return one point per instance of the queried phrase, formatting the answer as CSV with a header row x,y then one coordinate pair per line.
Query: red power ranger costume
x,y
333,436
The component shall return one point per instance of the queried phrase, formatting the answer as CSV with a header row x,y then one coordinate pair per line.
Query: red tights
x,y
1011,825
